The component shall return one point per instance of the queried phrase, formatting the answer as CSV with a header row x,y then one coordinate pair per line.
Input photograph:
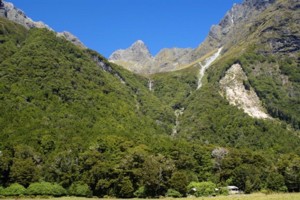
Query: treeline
x,y
118,167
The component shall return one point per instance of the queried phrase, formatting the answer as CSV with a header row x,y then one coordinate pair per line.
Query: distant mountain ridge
x,y
137,58
223,34
9,11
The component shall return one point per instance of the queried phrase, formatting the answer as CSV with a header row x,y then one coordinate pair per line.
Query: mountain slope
x,y
54,95
270,65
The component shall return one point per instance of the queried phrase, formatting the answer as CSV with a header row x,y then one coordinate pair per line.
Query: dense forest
x,y
71,123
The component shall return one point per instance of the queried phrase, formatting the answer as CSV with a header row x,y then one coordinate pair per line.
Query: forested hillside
x,y
75,123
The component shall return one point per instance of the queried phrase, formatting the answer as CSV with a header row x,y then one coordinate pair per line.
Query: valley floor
x,y
257,196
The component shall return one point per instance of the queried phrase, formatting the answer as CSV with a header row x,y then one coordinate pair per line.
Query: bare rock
x,y
240,95
72,38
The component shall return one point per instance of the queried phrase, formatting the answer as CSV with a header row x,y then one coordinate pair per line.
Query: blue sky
x,y
108,25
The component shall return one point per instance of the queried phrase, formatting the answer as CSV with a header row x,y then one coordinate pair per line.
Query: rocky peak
x,y
231,26
139,44
239,13
140,49
137,52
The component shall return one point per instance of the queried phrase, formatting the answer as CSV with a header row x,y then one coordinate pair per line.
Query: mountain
x,y
227,32
138,59
72,119
165,60
134,58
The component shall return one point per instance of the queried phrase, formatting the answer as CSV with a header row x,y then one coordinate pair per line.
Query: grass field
x,y
258,196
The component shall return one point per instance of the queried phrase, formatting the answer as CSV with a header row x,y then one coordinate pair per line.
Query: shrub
x,y
47,189
1,191
223,191
173,193
141,192
80,189
14,190
202,188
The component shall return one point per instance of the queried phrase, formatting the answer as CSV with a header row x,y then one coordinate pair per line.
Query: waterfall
x,y
208,62
177,113
150,84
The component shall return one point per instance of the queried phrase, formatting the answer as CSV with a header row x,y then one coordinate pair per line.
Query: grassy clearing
x,y
257,196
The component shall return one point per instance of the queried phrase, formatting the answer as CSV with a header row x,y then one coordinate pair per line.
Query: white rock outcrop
x,y
234,90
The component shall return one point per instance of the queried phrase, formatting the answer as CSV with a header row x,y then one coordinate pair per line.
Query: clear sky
x,y
108,25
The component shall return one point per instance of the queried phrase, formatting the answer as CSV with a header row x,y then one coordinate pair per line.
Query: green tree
x,y
156,172
23,171
179,181
275,182
125,188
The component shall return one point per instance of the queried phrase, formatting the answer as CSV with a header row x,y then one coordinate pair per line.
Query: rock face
x,y
9,11
238,94
14,14
137,52
171,59
138,58
72,38
230,30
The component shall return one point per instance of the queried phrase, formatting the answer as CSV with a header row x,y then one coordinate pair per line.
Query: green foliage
x,y
200,189
14,190
184,82
179,182
140,192
223,191
275,182
156,171
173,193
126,188
23,171
80,190
46,189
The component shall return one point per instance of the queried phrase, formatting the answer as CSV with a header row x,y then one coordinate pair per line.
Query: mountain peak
x,y
139,42
138,52
139,45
